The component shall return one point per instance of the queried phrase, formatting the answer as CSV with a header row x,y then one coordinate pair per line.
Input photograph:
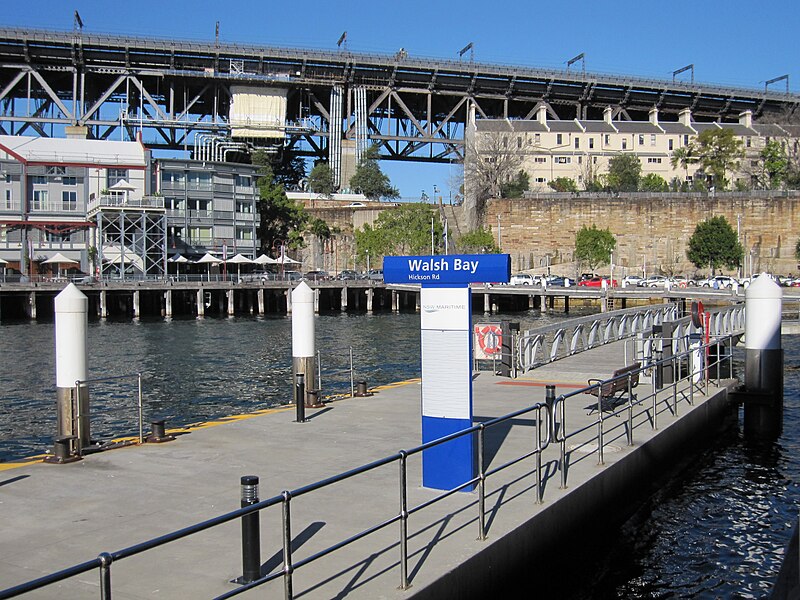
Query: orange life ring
x,y
490,339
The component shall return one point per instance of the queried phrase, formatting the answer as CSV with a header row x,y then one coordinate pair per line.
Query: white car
x,y
521,279
631,280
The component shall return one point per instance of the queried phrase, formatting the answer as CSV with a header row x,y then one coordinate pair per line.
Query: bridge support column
x,y
231,302
543,303
30,306
566,304
531,302
103,304
395,299
260,299
370,295
288,294
200,301
343,299
487,304
417,301
316,301
136,300
168,303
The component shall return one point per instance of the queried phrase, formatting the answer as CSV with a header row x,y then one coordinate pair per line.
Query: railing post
x,y
105,575
691,377
251,535
630,409
600,433
538,432
288,569
655,394
78,420
674,386
550,400
403,521
562,463
352,384
481,483
141,430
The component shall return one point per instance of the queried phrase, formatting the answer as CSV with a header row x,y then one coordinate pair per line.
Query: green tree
x,y
719,151
797,249
714,244
320,180
280,218
593,246
477,241
404,230
370,180
774,164
683,156
653,182
563,184
624,173
516,186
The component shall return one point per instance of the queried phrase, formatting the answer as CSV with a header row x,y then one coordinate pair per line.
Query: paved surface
x,y
58,515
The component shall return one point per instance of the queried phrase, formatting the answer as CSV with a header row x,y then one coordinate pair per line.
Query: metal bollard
x,y
550,400
62,450
158,434
251,532
299,396
361,389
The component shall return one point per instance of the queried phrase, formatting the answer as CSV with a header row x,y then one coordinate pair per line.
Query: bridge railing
x,y
567,437
548,344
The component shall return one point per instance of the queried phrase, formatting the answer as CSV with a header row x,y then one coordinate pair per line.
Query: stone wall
x,y
653,232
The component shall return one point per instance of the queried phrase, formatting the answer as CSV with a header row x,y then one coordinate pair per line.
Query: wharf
x,y
60,515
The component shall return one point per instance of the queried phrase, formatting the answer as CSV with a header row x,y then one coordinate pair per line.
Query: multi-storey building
x,y
581,149
114,209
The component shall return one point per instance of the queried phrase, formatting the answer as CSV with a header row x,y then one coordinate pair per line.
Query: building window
x,y
652,139
56,170
686,140
624,144
559,138
540,159
8,200
244,233
608,139
39,201
69,201
201,206
537,138
174,177
749,142
562,160
200,234
591,143
653,160
541,180
69,181
38,180
580,160
244,207
670,144
594,160
199,181
173,203
519,141
641,140
577,143
244,181
114,176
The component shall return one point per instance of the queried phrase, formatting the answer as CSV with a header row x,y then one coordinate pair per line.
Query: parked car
x,y
631,280
375,275
558,281
347,275
653,281
718,282
317,275
521,279
258,276
597,282
292,276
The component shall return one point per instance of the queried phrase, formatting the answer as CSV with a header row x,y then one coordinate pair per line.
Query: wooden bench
x,y
610,392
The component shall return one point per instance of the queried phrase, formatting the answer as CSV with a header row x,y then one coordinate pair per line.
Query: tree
x,y
774,165
477,241
491,160
280,218
624,172
719,151
563,184
320,180
515,187
370,180
653,182
714,244
684,157
404,230
593,246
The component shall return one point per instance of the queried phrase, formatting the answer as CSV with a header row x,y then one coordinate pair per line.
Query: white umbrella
x,y
3,262
178,259
239,260
285,260
265,260
59,259
209,260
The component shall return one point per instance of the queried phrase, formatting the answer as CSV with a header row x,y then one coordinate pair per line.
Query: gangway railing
x,y
553,430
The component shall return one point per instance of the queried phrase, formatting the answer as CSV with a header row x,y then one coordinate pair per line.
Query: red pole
x,y
706,337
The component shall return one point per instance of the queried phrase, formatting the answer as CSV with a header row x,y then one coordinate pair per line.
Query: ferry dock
x,y
538,512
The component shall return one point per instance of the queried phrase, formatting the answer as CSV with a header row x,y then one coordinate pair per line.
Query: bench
x,y
610,392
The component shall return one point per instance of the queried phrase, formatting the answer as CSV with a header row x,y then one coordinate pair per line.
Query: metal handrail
x,y
663,400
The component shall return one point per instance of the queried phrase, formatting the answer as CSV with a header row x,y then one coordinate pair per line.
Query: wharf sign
x,y
451,269
446,343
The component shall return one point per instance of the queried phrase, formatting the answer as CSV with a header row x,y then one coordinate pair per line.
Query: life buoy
x,y
682,284
490,339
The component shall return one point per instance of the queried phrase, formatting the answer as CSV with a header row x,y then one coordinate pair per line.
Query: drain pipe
x,y
763,396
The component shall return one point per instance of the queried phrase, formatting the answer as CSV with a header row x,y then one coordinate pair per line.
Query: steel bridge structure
x,y
176,94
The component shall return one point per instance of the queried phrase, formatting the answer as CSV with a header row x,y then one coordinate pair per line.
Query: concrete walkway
x,y
58,515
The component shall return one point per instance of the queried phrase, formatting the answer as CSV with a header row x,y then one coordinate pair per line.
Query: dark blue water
x,y
716,531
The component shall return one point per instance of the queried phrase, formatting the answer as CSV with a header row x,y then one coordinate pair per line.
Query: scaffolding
x,y
131,241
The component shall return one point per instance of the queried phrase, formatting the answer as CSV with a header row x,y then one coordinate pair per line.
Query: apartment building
x,y
581,149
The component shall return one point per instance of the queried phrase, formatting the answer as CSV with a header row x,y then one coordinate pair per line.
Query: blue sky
x,y
734,42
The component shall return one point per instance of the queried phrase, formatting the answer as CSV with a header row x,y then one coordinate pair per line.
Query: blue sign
x,y
448,269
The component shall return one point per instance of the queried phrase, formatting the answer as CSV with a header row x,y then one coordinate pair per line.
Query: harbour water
x,y
716,531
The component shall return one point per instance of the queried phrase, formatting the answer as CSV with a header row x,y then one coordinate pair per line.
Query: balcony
x,y
120,202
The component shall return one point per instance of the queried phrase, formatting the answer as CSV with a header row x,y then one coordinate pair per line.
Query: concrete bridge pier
x,y
200,302
531,301
103,305
288,294
231,302
543,303
417,300
487,306
566,304
168,303
260,300
136,308
395,301
343,299
370,296
30,306
316,301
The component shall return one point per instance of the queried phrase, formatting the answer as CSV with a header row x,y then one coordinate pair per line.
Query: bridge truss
x,y
169,91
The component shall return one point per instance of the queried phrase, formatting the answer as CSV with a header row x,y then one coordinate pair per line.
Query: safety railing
x,y
690,374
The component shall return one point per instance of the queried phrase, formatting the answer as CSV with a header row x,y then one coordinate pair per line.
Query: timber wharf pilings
x,y
165,298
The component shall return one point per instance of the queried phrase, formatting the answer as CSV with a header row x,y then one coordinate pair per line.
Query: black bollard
x,y
361,389
550,400
299,396
251,532
158,434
